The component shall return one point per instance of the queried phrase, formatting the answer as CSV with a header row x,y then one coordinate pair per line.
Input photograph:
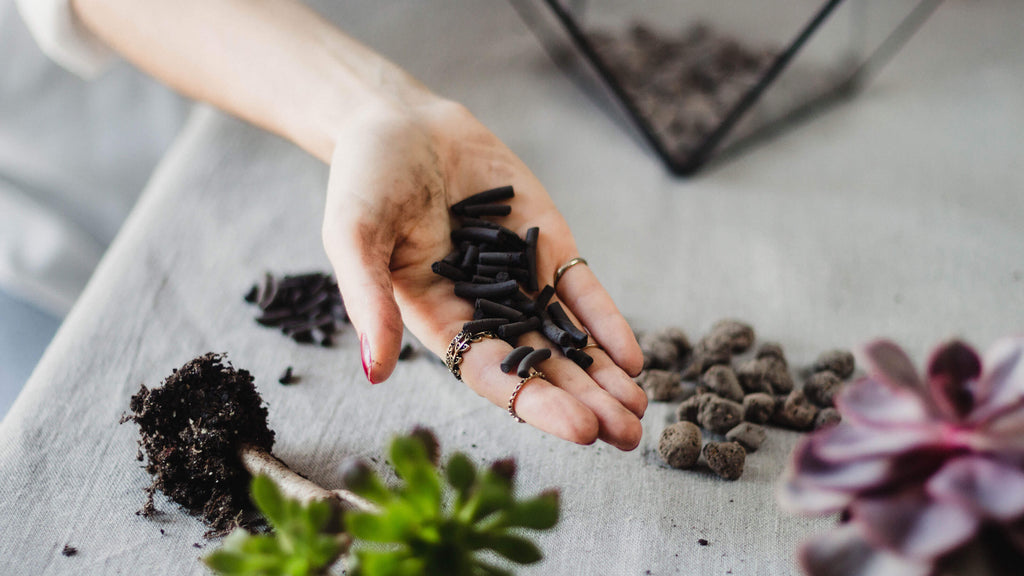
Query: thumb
x,y
361,260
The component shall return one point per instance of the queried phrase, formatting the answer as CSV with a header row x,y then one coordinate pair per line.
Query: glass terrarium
x,y
705,78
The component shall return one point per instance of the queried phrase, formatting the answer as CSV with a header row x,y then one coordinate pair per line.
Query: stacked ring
x,y
515,395
458,346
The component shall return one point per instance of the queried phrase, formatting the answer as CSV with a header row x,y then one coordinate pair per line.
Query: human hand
x,y
395,171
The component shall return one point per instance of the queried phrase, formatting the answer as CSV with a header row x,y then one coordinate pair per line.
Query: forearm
x,y
275,63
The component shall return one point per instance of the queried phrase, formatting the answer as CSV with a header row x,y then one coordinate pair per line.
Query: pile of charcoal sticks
x,y
491,266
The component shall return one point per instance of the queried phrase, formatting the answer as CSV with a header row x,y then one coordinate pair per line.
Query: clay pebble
x,y
726,459
795,411
689,409
839,362
719,415
722,380
679,445
827,417
767,374
758,407
660,385
748,435
659,352
821,388
772,350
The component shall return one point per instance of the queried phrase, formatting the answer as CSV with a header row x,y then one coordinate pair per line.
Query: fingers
x,y
580,290
360,258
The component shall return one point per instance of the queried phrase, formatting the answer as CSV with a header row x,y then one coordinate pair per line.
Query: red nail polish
x,y
364,349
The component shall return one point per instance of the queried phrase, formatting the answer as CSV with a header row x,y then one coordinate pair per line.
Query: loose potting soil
x,y
191,428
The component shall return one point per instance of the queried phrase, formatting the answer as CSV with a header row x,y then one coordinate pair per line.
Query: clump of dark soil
x,y
69,551
191,429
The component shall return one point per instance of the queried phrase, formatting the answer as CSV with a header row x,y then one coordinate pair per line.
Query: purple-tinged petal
x,y
809,469
988,487
890,364
1001,387
870,401
952,371
847,441
912,524
844,552
798,497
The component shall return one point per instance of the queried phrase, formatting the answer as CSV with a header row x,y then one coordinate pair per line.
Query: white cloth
x,y
76,147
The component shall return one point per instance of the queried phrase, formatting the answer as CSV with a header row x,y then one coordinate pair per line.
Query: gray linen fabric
x,y
898,214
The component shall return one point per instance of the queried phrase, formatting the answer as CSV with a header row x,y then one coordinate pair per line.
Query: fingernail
x,y
364,349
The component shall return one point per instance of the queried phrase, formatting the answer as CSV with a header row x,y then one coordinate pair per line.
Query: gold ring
x,y
458,346
515,394
562,270
592,345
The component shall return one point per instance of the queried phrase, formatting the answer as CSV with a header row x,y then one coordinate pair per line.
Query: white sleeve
x,y
63,37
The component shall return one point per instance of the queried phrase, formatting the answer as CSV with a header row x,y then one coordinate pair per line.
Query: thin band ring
x,y
460,345
515,395
565,267
592,345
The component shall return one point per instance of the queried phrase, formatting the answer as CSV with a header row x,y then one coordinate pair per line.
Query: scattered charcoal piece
x,y
795,411
827,417
307,307
485,325
491,271
554,333
490,309
562,320
531,360
839,362
722,380
479,235
287,377
501,258
69,551
311,304
531,258
679,445
252,294
486,197
772,350
502,277
274,317
545,296
511,332
748,435
758,407
407,351
725,459
720,415
703,541
478,210
488,291
454,258
581,358
767,374
513,358
660,385
821,388
470,258
483,280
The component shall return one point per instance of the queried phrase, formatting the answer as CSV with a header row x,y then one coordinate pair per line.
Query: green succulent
x,y
302,543
423,528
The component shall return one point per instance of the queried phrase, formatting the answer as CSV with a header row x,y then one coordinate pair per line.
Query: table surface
x,y
897,214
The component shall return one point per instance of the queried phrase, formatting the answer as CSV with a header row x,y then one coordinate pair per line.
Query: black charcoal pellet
x,y
485,197
512,360
489,235
483,325
511,332
449,271
296,280
469,259
501,258
545,296
502,277
489,270
581,358
407,351
477,279
454,257
531,258
485,210
274,317
489,291
491,309
561,319
531,360
554,333
311,304
251,295
478,223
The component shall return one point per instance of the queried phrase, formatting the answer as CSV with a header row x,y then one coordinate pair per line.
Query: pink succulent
x,y
925,471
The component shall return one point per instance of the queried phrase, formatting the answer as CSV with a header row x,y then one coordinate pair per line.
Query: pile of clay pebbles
x,y
730,396
491,266
306,307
